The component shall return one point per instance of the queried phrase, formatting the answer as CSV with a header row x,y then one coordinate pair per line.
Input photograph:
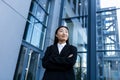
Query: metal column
x,y
91,55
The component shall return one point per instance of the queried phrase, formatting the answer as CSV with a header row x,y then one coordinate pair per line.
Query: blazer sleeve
x,y
47,62
66,62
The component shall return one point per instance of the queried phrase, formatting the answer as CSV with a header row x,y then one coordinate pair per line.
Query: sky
x,y
109,3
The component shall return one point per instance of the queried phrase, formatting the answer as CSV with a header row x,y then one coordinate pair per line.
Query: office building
x,y
27,28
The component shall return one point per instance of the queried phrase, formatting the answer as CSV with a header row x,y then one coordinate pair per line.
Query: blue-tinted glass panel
x,y
45,4
42,39
35,33
32,66
74,8
41,15
38,35
80,67
29,29
33,7
29,33
19,69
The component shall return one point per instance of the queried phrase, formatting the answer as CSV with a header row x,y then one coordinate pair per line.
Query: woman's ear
x,y
56,35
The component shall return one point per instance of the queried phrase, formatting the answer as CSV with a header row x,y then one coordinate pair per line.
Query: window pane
x,y
69,9
29,33
29,29
42,39
33,65
41,15
33,8
38,35
45,4
19,69
35,33
75,8
80,67
28,66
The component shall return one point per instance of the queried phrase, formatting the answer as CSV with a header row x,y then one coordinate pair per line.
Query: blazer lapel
x,y
65,48
55,49
63,52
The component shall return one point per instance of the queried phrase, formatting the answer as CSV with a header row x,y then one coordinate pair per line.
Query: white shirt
x,y
60,46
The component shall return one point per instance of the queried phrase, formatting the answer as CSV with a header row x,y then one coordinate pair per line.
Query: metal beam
x,y
91,55
111,58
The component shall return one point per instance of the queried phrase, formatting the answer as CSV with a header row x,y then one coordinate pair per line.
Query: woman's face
x,y
62,34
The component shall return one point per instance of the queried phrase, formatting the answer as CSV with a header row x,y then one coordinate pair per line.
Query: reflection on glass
x,y
112,70
35,34
44,3
41,15
27,37
69,9
73,8
19,68
42,39
32,66
29,29
108,67
36,26
38,35
33,8
80,67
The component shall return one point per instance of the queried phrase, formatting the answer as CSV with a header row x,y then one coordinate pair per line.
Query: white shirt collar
x,y
60,46
63,44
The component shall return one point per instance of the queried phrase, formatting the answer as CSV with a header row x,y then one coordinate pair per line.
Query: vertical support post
x,y
61,12
91,55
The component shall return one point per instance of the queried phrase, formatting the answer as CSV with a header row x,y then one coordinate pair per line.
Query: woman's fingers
x,y
70,55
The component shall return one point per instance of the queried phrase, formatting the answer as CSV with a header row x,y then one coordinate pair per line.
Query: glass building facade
x,y
94,30
33,41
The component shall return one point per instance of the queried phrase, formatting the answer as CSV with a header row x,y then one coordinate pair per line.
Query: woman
x,y
60,57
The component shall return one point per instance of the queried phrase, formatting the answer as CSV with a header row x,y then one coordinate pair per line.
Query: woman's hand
x,y
70,55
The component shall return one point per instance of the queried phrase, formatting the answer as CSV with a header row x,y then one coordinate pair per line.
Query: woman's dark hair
x,y
56,39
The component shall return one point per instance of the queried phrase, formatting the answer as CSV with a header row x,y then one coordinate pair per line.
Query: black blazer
x,y
59,66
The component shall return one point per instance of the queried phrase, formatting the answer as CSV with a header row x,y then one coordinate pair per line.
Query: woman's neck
x,y
62,42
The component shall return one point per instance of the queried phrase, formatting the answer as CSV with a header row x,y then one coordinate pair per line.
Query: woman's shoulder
x,y
72,46
73,49
50,46
53,46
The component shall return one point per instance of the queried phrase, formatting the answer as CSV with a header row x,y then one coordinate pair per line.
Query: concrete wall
x,y
13,14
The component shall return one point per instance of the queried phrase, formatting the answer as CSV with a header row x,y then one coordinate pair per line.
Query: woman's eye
x,y
66,31
61,31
